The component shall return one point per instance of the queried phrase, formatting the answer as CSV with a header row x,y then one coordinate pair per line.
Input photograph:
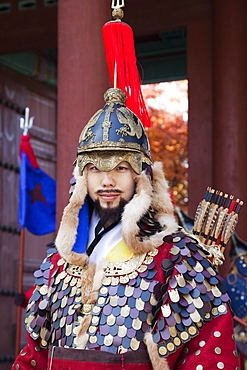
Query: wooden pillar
x,y
199,69
82,80
230,101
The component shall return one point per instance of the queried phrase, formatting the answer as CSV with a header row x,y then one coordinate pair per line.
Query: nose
x,y
108,179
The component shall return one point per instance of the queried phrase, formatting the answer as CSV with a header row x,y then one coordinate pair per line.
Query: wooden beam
x,y
31,29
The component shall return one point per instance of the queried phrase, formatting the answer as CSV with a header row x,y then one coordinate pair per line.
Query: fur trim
x,y
100,273
87,283
148,194
137,207
66,235
86,289
152,193
91,284
158,363
162,201
82,336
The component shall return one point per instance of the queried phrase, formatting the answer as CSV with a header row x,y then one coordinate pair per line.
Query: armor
x,y
156,293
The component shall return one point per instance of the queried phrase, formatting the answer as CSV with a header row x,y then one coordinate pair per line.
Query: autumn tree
x,y
168,140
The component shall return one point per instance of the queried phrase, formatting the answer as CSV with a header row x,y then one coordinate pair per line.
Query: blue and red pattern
x,y
37,201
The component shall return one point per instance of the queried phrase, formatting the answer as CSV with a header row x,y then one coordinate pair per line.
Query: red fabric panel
x,y
76,359
56,364
208,354
31,352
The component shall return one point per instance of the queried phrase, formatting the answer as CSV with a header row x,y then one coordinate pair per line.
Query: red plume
x,y
120,56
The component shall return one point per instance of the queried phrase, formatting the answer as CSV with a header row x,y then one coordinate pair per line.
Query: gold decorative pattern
x,y
162,350
106,124
107,160
115,270
87,133
130,128
74,270
112,145
86,309
114,95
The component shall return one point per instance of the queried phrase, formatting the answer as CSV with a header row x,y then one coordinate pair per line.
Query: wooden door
x,y
17,92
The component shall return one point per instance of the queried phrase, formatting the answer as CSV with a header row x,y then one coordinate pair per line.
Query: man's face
x,y
112,186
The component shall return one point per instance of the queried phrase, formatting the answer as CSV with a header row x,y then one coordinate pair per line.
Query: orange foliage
x,y
168,141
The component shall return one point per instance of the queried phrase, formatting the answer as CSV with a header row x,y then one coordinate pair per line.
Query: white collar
x,y
106,243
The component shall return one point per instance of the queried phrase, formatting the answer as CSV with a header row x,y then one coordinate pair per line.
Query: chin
x,y
110,210
108,205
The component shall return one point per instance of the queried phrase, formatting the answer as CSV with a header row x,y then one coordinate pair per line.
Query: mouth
x,y
109,195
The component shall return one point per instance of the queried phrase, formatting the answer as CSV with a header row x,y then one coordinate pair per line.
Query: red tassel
x,y
120,52
25,147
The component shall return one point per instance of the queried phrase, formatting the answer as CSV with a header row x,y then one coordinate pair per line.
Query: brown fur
x,y
77,259
156,195
161,199
87,283
137,207
82,336
84,325
66,235
91,284
158,363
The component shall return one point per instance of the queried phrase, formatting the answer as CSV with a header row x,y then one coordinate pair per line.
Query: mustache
x,y
108,191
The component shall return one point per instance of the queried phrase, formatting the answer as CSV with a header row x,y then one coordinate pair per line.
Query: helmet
x,y
114,134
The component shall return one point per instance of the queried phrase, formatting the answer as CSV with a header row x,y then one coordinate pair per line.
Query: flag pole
x,y
20,281
25,124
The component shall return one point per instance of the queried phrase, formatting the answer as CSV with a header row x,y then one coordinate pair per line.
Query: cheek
x,y
91,186
130,189
91,194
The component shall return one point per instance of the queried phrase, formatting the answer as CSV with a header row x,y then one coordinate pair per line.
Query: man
x,y
125,287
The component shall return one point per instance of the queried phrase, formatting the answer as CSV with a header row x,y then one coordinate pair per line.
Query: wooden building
x,y
204,41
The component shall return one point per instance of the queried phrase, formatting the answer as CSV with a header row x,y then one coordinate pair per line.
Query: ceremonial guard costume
x,y
154,291
138,294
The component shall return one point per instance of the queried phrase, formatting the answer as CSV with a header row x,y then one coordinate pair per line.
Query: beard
x,y
109,214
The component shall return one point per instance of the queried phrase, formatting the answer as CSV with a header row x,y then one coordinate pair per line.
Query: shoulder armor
x,y
193,293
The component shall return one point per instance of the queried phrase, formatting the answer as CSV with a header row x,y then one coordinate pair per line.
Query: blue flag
x,y
37,203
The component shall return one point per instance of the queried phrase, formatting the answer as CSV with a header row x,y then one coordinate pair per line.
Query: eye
x,y
122,168
93,168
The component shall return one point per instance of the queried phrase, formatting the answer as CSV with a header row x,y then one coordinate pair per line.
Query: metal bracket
x,y
117,4
26,123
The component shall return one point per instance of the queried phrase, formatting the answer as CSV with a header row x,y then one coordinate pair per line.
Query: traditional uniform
x,y
153,300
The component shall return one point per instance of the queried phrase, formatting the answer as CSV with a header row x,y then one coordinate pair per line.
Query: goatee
x,y
108,214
